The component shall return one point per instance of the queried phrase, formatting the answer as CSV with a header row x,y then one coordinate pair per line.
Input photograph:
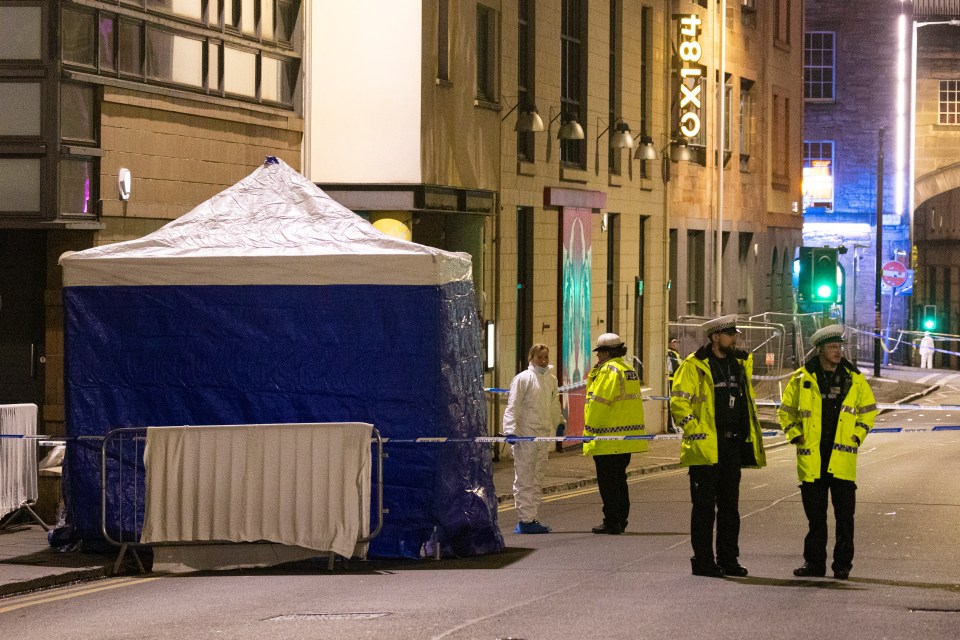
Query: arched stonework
x,y
935,183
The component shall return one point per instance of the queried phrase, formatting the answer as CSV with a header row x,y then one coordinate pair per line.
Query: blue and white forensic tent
x,y
272,303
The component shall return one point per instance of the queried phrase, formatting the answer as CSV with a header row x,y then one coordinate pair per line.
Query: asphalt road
x,y
573,584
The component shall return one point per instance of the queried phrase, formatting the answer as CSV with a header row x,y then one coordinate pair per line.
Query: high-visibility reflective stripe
x,y
847,409
844,448
628,427
790,411
805,413
595,398
868,408
681,394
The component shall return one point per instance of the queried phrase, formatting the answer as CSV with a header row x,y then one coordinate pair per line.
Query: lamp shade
x,y
528,121
570,130
621,138
680,152
645,150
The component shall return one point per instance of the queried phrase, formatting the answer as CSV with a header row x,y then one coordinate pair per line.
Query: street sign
x,y
894,273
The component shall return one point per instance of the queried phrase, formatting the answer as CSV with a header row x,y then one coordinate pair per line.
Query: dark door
x,y
22,278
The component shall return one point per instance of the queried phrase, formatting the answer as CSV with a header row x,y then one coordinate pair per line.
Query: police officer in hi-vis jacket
x,y
827,411
713,403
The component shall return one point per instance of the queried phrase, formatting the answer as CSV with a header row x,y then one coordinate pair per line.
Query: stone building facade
x,y
571,238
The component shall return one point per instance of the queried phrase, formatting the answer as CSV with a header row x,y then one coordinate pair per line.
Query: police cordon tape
x,y
899,340
514,439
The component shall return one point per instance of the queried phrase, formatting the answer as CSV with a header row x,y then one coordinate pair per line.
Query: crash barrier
x,y
18,462
241,483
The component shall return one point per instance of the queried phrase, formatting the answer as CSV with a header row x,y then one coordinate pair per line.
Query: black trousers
x,y
843,493
612,482
715,494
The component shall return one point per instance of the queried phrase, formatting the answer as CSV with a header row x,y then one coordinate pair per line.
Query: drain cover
x,y
328,616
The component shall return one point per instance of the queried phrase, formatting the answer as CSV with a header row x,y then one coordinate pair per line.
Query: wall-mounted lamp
x,y
124,181
528,120
570,129
679,151
604,222
621,138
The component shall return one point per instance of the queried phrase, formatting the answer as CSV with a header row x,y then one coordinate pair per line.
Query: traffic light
x,y
929,320
818,274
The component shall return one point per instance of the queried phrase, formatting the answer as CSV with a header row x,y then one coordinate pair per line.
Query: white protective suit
x,y
926,352
533,409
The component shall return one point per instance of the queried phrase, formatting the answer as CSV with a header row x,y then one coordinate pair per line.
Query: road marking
x,y
43,598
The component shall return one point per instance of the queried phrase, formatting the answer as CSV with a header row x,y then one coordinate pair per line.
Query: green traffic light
x,y
824,292
929,324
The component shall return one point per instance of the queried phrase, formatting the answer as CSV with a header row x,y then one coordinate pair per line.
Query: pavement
x,y
28,563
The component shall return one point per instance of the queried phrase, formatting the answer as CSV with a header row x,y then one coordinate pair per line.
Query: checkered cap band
x,y
833,333
720,324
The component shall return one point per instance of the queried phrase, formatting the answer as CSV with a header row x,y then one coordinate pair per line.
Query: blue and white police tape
x,y
511,439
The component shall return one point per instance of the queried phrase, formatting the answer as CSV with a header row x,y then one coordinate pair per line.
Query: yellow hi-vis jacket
x,y
692,407
800,414
614,407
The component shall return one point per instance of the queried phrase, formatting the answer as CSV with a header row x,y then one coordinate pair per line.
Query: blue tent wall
x,y
404,358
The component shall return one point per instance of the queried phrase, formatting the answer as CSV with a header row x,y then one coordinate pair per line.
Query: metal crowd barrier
x,y
124,449
18,464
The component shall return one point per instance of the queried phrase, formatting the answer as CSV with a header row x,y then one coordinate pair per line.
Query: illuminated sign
x,y
690,52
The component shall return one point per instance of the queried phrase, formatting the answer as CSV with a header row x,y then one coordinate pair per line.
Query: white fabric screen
x,y
298,484
18,456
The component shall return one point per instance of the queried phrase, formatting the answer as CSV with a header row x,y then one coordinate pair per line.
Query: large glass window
x,y
573,35
277,80
526,73
78,35
131,47
20,185
77,113
746,123
443,39
186,8
819,65
287,11
239,72
213,66
20,33
818,175
486,54
20,109
613,86
248,19
174,58
949,102
107,36
76,186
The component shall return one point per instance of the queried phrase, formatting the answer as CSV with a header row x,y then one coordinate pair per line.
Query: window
x,y
746,123
20,33
613,88
443,40
613,267
949,102
486,54
780,140
525,260
20,109
646,53
107,43
698,143
526,73
77,178
77,113
573,36
276,80
20,185
214,64
818,175
782,11
240,72
185,8
131,47
696,269
727,118
173,58
819,66
78,36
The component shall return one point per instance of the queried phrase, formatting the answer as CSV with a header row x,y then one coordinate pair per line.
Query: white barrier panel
x,y
18,456
306,485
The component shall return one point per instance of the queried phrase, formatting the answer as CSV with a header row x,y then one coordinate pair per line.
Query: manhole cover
x,y
328,616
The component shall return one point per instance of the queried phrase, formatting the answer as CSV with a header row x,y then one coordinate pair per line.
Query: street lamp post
x,y
879,254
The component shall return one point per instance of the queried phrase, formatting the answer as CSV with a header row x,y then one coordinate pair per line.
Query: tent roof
x,y
272,227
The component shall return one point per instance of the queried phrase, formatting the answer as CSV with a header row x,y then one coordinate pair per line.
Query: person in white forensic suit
x,y
533,409
926,351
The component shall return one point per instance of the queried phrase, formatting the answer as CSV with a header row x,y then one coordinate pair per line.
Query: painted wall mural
x,y
575,311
